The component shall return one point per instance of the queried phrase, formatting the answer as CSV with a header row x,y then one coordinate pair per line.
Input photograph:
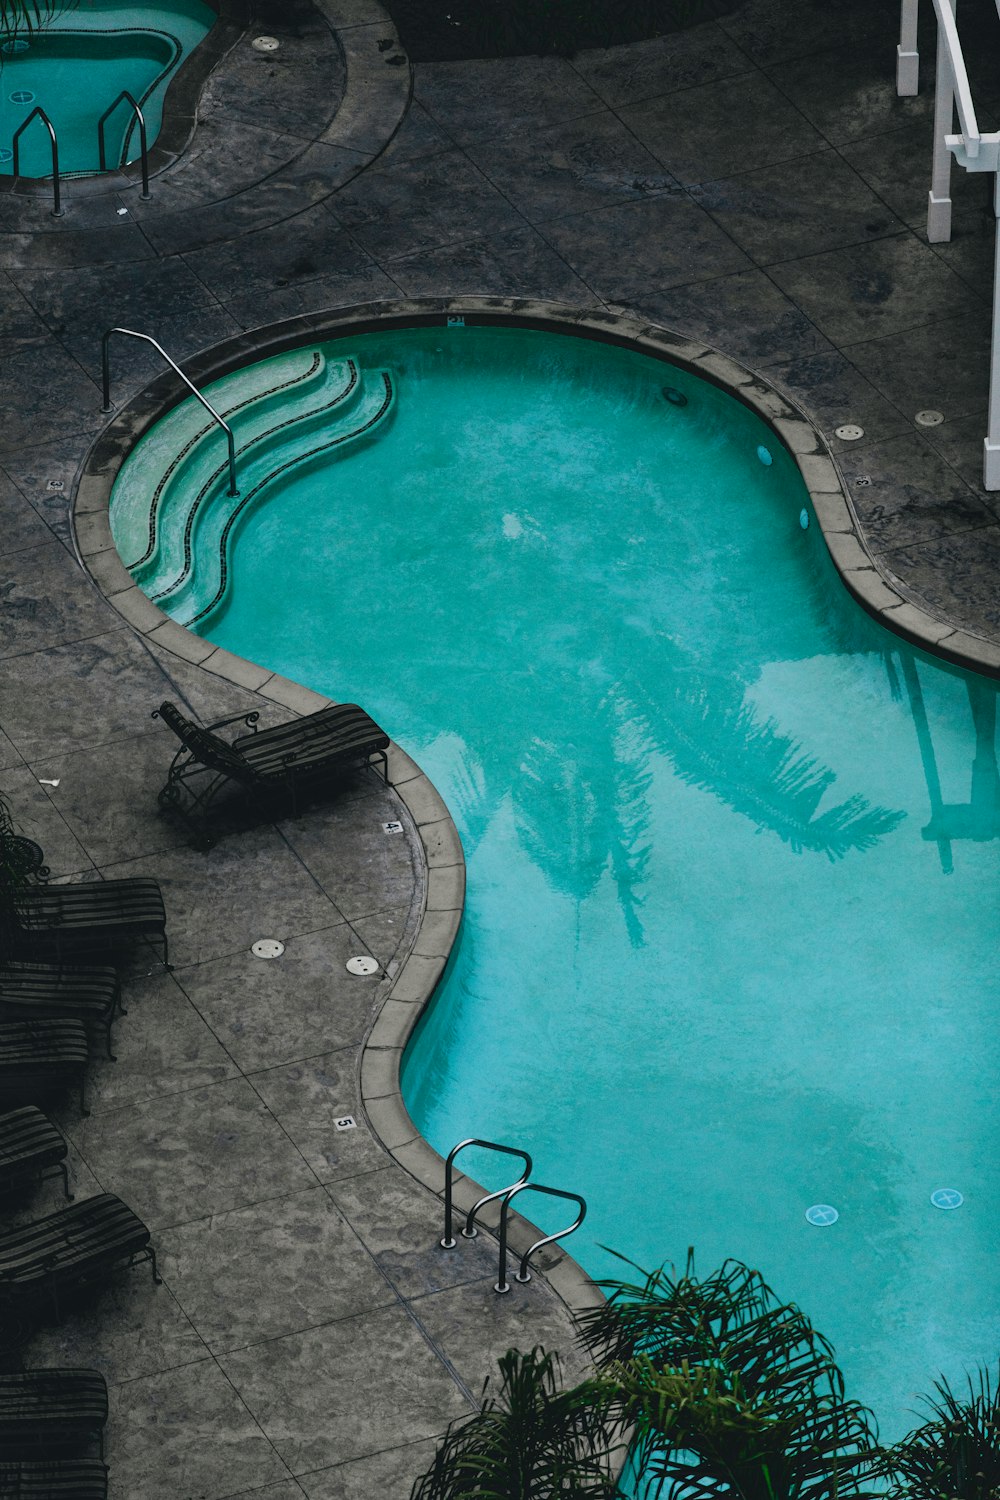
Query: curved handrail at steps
x,y
300,419
182,453
299,458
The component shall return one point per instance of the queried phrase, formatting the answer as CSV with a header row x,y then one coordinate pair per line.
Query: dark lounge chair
x,y
54,1479
38,1058
60,992
73,1245
306,752
46,1410
91,920
30,1146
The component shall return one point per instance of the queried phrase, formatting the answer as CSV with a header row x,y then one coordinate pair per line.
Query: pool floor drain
x,y
267,948
822,1215
22,96
947,1198
13,45
6,154
362,965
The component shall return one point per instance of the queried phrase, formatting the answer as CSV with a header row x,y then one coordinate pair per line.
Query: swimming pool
x,y
727,954
76,68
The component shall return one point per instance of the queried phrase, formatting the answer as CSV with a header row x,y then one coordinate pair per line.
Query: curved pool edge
x,y
420,972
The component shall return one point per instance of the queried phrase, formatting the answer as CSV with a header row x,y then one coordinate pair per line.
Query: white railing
x,y
972,150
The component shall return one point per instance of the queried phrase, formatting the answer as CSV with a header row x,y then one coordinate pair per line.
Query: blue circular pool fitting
x,y
22,96
764,454
13,45
947,1198
674,396
804,519
822,1215
6,154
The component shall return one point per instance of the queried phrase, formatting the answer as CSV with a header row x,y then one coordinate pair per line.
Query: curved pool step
x,y
206,586
172,564
162,456
327,386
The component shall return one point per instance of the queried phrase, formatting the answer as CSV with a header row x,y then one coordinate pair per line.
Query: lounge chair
x,y
38,1058
91,920
43,1410
30,1146
54,1479
60,992
73,1245
305,752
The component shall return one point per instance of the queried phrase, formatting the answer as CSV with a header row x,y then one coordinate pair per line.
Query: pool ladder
x,y
39,113
505,1195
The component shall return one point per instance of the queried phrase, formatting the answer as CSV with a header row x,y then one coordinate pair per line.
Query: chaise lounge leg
x,y
152,1256
65,1178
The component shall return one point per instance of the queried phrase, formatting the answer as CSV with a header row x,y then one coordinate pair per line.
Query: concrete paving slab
x,y
680,61
308,1098
391,1472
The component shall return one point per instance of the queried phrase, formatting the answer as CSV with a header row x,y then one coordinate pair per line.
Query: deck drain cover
x,y
947,1198
849,433
22,96
267,948
822,1215
392,827
265,44
362,965
929,418
346,1122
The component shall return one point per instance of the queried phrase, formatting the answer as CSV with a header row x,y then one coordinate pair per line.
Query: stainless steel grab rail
x,y
144,157
108,407
524,1274
470,1231
57,209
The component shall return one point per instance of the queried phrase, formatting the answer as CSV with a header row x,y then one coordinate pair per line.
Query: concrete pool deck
x,y
310,1338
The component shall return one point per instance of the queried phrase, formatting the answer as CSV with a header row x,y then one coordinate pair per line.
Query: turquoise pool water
x,y
730,943
77,67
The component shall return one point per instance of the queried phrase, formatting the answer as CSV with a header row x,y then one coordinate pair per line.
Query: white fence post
x,y
939,197
991,444
907,56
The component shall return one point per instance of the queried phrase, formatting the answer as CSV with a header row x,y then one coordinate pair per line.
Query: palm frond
x,y
533,1442
25,17
956,1453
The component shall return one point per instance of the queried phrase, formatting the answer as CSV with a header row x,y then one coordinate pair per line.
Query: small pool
x,y
729,958
76,68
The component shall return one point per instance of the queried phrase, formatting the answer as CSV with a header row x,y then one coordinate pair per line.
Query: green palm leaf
x,y
534,1442
954,1456
24,17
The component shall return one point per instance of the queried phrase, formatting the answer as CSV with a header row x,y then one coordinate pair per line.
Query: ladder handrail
x,y
57,211
523,1274
142,138
107,407
469,1232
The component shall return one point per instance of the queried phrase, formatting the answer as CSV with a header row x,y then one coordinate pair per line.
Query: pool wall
x,y
440,920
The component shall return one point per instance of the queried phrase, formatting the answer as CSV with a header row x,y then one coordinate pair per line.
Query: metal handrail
x,y
470,1231
144,157
57,210
106,382
524,1274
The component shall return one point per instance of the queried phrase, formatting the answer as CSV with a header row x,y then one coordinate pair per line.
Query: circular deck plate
x,y
929,418
267,948
265,44
849,433
822,1215
947,1198
362,965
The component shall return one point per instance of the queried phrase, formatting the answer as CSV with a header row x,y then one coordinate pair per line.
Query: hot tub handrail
x,y
57,210
143,154
106,382
523,1274
469,1232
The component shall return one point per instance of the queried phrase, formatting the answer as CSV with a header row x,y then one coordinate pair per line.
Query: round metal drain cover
x,y
22,96
362,965
929,418
822,1215
947,1198
849,433
265,44
267,948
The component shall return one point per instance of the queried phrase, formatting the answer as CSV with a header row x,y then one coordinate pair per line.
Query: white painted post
x,y
991,445
939,197
907,56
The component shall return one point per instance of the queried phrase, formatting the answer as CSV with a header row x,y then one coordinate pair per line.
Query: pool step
x,y
200,586
187,442
324,391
